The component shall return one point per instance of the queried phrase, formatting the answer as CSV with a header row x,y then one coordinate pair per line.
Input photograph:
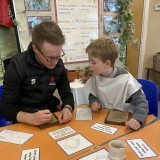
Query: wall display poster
x,y
111,6
29,13
79,23
111,25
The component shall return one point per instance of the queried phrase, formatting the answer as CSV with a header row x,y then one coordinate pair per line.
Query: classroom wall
x,y
8,41
153,37
8,46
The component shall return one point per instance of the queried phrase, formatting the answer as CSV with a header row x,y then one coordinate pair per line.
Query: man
x,y
32,77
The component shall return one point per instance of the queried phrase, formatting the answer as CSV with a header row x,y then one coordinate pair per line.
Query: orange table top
x,y
149,134
49,149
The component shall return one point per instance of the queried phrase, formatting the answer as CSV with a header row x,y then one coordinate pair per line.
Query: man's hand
x,y
37,118
133,123
95,106
65,116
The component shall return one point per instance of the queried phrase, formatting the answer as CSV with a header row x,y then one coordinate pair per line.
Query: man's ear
x,y
35,49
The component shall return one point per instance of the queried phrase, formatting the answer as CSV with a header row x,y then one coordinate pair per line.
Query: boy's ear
x,y
108,63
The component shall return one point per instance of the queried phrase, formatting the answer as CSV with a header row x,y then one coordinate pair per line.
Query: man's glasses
x,y
51,59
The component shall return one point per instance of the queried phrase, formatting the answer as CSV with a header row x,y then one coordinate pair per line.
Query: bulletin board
x,y
79,21
27,14
111,24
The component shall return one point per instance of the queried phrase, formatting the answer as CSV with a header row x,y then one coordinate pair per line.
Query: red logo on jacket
x,y
52,80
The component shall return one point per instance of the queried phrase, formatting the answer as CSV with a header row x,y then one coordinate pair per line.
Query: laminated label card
x,y
74,144
60,133
141,149
15,137
30,154
104,128
84,114
98,155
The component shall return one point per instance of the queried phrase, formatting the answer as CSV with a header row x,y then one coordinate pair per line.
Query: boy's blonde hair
x,y
103,48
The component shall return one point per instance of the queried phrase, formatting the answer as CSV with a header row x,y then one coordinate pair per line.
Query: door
x,y
133,50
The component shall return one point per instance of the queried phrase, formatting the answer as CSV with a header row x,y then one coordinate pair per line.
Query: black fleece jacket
x,y
29,87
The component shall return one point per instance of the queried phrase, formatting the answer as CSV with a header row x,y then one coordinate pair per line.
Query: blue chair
x,y
1,88
3,121
151,91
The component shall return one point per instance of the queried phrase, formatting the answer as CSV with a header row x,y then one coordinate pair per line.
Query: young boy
x,y
112,87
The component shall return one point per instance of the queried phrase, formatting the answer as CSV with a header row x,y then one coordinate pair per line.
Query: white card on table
x,y
74,144
30,154
98,155
57,134
84,114
104,128
14,136
141,148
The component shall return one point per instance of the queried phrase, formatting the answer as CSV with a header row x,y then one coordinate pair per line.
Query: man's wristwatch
x,y
69,107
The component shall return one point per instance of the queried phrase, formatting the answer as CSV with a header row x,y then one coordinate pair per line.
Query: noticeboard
x,y
79,21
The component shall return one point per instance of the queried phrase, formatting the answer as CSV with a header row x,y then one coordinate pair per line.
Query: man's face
x,y
49,54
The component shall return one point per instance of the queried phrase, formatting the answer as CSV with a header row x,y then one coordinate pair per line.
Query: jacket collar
x,y
31,59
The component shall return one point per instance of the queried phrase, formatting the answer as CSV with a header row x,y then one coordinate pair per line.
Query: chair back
x,y
151,91
3,121
6,62
1,88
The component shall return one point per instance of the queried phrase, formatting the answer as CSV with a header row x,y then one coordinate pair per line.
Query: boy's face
x,y
98,67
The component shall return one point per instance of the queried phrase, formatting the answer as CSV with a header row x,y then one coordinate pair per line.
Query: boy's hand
x,y
133,123
95,106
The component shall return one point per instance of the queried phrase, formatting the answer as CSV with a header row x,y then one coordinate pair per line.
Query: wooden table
x,y
149,134
49,149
